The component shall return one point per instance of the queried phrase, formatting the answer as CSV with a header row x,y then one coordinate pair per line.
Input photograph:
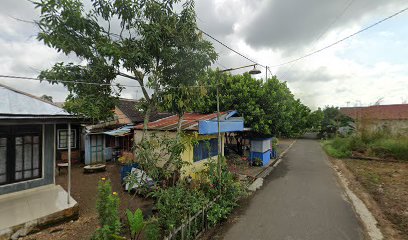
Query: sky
x,y
367,68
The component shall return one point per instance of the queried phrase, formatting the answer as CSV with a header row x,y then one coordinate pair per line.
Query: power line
x,y
92,83
233,50
341,40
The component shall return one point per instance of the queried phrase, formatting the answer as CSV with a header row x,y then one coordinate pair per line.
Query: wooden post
x,y
69,162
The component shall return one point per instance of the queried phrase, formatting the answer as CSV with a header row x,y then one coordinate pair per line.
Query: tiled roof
x,y
128,107
16,103
380,112
190,122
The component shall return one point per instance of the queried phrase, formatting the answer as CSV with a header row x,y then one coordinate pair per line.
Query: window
x,y
27,154
20,153
3,160
205,149
63,138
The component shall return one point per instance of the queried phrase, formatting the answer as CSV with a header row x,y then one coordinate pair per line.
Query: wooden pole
x,y
69,163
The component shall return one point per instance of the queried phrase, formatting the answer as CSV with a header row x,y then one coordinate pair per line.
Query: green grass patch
x,y
371,145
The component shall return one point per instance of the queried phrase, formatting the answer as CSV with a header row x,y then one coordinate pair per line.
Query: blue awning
x,y
211,126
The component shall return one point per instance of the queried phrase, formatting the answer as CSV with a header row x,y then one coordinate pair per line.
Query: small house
x,y
108,140
31,134
204,127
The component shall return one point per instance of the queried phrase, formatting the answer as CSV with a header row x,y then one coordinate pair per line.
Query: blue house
x,y
28,154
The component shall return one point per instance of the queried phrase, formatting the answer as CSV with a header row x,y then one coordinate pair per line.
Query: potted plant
x,y
127,160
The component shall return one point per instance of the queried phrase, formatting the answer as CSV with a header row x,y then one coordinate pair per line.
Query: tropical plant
x,y
135,223
107,206
142,40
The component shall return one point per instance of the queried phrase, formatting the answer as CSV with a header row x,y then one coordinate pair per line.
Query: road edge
x,y
257,184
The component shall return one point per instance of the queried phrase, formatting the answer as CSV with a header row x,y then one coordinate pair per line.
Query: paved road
x,y
300,199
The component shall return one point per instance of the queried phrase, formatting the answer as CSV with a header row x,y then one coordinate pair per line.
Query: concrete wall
x,y
393,127
47,165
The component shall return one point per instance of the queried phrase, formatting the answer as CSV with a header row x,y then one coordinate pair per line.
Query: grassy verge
x,y
387,183
370,145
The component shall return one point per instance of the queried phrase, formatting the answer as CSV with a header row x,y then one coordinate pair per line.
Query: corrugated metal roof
x,y
118,132
190,121
380,112
16,103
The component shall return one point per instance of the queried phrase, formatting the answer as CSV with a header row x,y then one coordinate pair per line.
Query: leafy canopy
x,y
268,108
142,40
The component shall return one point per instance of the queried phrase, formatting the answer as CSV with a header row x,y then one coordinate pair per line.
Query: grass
x,y
370,145
387,183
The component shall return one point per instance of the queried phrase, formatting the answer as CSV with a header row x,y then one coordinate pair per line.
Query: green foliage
x,y
332,120
152,230
136,222
228,188
340,151
107,205
369,144
176,204
153,149
145,39
315,120
46,98
268,108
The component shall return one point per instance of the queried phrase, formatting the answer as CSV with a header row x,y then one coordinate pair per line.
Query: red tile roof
x,y
190,122
380,112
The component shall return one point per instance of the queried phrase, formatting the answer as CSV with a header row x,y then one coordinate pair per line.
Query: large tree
x,y
142,40
269,108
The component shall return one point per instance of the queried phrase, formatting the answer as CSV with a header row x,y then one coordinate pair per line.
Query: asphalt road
x,y
300,199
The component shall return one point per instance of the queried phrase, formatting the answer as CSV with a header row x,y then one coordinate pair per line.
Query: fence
x,y
193,226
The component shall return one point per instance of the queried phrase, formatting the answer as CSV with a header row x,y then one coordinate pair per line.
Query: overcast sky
x,y
359,71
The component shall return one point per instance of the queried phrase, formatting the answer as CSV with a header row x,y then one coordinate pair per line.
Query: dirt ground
x,y
382,186
84,191
387,184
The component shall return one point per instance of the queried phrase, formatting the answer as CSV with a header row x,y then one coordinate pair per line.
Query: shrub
x,y
377,144
176,203
107,205
152,229
228,187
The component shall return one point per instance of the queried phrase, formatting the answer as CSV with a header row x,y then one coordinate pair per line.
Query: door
x,y
97,146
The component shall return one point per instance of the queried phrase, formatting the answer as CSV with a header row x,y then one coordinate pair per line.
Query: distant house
x,y
392,119
32,133
108,139
204,127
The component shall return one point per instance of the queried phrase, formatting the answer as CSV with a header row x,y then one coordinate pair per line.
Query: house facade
x,y
391,119
203,128
28,154
107,140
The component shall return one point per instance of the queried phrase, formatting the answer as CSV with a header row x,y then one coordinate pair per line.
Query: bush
x,y
176,203
375,144
395,148
228,187
107,205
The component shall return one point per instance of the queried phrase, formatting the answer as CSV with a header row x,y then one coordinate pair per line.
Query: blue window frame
x,y
205,149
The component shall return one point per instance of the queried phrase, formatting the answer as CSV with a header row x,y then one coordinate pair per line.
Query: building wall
x,y
77,150
188,154
393,127
47,164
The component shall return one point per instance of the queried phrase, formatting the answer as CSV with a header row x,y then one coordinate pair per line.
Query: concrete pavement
x,y
301,199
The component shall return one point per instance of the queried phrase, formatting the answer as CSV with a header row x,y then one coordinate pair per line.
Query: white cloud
x,y
270,32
